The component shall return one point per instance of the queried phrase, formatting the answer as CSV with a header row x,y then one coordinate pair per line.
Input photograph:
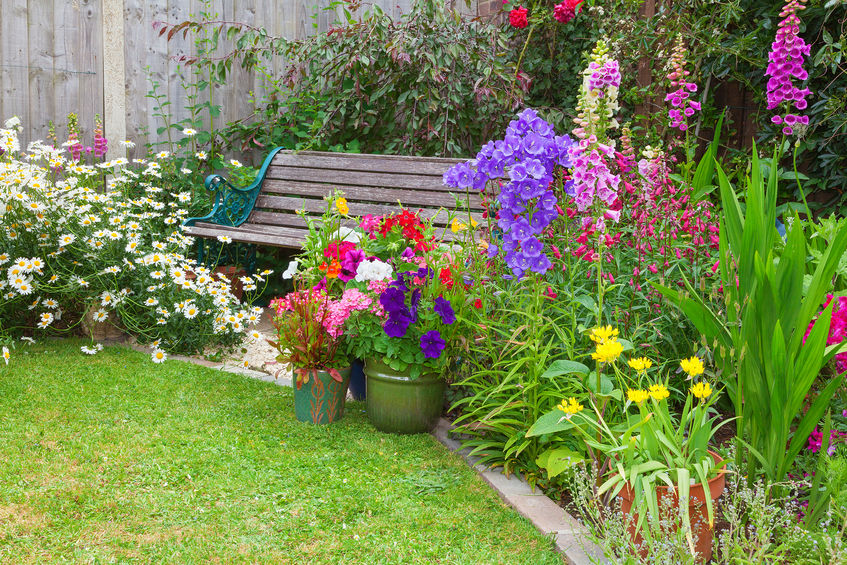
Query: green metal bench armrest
x,y
232,205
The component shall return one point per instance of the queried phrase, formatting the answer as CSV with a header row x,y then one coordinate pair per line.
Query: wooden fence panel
x,y
51,60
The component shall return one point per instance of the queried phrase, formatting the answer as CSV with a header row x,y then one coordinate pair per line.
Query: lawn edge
x,y
571,537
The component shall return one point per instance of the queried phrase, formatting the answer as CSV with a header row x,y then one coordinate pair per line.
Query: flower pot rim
x,y
628,493
430,374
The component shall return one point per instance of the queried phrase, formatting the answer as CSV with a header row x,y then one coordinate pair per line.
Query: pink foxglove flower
x,y
788,52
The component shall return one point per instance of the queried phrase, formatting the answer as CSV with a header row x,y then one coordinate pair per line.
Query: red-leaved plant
x,y
303,339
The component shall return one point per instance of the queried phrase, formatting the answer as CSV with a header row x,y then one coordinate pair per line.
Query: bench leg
x,y
211,253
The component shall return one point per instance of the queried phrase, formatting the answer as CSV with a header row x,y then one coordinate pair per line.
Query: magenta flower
x,y
788,52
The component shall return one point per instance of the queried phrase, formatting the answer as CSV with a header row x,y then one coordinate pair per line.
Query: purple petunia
x,y
393,300
397,324
445,310
432,344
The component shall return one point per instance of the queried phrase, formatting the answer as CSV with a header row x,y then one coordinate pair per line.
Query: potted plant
x,y
410,333
309,330
656,460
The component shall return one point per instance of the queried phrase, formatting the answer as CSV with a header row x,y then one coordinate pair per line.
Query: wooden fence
x,y
98,57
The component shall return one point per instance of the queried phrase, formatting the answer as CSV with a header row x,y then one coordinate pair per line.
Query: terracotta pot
x,y
696,510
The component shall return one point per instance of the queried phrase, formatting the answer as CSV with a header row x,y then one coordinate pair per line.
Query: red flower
x,y
517,17
446,277
477,303
566,10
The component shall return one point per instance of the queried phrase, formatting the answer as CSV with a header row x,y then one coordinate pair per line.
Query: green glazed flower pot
x,y
321,400
397,403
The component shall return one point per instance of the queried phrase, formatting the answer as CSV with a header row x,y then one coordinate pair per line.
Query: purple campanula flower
x,y
493,250
532,247
540,264
534,144
432,344
445,310
535,169
518,173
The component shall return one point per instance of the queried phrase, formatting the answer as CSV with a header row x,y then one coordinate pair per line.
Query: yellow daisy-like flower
x,y
603,334
637,396
640,364
693,366
659,392
607,351
456,226
570,406
342,207
702,390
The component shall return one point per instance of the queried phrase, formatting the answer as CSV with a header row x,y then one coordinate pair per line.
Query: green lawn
x,y
112,459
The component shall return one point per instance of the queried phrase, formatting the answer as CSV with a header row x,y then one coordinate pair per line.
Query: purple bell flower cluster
x,y
527,156
788,52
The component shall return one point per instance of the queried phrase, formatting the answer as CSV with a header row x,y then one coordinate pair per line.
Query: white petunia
x,y
291,270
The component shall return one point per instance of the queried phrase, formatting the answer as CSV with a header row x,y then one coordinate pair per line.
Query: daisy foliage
x,y
104,238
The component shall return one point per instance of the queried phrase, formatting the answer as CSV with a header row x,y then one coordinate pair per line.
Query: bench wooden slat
x,y
382,163
368,179
439,218
412,199
279,237
372,184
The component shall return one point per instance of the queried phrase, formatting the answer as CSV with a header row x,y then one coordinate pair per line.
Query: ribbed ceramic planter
x,y
399,404
321,400
696,509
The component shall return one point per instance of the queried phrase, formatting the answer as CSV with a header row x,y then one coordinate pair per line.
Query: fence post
x,y
114,77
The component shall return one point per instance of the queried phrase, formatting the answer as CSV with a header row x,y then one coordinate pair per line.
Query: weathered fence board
x,y
51,59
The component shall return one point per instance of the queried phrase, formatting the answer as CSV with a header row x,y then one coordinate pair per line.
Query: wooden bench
x,y
264,213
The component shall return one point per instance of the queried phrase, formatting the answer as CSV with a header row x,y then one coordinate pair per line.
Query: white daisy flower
x,y
159,356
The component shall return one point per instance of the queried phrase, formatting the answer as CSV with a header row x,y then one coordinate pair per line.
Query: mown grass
x,y
113,459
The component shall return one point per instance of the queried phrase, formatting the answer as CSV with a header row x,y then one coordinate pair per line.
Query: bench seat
x,y
265,213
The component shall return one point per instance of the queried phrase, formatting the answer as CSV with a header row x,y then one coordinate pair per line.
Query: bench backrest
x,y
372,184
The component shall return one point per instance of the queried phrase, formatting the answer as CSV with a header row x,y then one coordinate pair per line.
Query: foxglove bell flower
x,y
788,52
